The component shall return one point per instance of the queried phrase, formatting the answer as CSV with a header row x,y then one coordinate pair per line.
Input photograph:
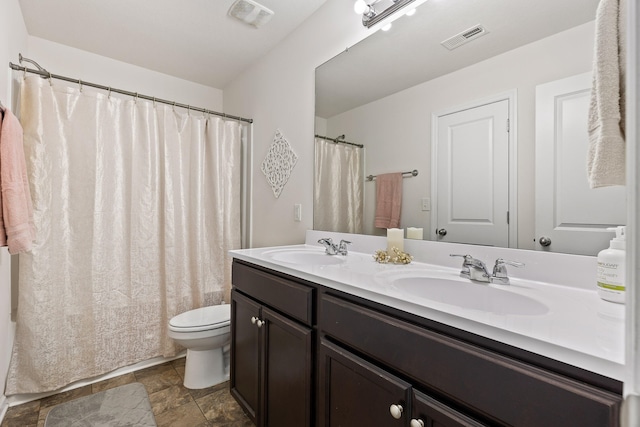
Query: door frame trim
x,y
512,97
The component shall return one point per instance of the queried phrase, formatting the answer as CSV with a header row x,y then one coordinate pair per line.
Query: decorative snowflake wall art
x,y
279,163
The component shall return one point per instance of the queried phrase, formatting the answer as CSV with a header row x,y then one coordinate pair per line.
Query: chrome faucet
x,y
333,249
474,269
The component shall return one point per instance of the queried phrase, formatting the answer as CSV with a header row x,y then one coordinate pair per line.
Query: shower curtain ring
x,y
80,84
174,106
154,102
109,93
24,73
188,110
135,99
50,79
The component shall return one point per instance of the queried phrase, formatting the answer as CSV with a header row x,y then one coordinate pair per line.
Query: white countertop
x,y
574,325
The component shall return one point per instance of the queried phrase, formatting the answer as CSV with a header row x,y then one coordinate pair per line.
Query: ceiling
x,y
194,40
411,53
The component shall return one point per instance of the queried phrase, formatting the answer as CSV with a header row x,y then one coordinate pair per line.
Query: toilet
x,y
205,333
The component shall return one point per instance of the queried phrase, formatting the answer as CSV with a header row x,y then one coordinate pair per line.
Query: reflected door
x,y
472,175
570,216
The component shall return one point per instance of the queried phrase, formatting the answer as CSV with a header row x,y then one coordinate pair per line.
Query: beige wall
x,y
278,93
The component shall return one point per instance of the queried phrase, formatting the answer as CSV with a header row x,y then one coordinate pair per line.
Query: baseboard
x,y
19,399
4,405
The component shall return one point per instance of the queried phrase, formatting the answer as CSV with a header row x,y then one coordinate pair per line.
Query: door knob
x,y
442,232
416,422
396,411
544,241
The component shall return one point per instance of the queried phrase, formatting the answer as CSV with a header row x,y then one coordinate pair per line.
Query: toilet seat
x,y
202,319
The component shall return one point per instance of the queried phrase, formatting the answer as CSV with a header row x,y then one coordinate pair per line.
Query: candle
x,y
414,233
395,238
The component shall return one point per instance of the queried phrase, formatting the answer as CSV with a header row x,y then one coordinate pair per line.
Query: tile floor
x,y
173,404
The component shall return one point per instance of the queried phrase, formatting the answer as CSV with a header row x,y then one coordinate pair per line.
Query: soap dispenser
x,y
611,268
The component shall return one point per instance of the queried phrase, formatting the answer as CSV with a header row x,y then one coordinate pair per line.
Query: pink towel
x,y
388,200
17,208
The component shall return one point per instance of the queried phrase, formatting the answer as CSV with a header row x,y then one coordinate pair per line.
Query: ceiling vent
x,y
464,37
250,12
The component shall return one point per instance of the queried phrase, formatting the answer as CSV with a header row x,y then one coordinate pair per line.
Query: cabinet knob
x,y
417,423
396,411
254,319
259,323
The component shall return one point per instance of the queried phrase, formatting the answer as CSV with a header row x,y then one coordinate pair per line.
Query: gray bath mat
x,y
127,405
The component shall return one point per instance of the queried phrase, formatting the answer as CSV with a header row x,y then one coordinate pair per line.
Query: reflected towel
x,y
388,200
17,208
606,155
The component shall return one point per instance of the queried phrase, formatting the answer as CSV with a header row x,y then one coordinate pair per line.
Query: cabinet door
x,y
287,371
245,353
429,412
354,392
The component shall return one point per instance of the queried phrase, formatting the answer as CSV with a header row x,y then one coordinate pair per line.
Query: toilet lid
x,y
219,315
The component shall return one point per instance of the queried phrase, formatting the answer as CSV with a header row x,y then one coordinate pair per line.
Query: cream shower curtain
x,y
338,187
135,206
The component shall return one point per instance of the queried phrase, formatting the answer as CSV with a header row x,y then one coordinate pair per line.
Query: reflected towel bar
x,y
404,174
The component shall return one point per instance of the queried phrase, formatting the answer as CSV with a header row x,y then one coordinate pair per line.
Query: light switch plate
x,y
426,204
297,212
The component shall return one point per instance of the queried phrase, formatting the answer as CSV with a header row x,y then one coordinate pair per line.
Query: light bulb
x,y
411,12
387,27
360,6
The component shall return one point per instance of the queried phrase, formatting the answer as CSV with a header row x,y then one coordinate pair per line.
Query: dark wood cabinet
x,y
357,393
245,353
426,411
305,355
271,361
489,386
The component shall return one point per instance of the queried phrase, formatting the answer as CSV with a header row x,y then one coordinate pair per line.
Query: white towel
x,y
606,155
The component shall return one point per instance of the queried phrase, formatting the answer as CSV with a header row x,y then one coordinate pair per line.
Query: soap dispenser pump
x,y
611,268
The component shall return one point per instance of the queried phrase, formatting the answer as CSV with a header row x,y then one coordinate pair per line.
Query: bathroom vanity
x,y
328,341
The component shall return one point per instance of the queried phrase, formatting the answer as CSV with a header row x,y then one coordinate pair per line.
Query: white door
x,y
570,215
472,175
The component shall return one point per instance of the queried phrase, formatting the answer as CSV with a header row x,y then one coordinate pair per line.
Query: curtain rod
x,y
48,75
410,173
339,140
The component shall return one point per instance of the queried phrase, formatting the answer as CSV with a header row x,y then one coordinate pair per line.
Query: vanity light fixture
x,y
371,15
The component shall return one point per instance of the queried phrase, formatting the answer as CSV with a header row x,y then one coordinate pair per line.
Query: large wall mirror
x,y
431,95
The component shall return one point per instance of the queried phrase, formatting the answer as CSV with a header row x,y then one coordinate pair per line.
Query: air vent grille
x,y
464,37
250,12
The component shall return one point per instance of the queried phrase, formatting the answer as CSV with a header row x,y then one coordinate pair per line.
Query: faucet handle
x,y
325,240
465,265
500,270
342,247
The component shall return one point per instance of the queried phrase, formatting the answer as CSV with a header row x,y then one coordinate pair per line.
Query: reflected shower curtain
x,y
135,207
338,187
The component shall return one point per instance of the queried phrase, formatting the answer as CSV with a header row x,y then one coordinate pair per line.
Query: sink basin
x,y
305,257
470,295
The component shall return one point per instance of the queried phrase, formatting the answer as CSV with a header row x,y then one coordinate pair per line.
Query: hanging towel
x,y
17,208
606,155
388,200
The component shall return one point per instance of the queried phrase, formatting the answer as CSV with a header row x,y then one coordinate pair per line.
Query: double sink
x,y
417,280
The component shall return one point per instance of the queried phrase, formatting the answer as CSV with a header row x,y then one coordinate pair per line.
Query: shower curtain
x,y
136,206
338,187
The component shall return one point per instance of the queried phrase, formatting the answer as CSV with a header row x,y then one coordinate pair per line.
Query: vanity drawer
x,y
488,384
288,297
